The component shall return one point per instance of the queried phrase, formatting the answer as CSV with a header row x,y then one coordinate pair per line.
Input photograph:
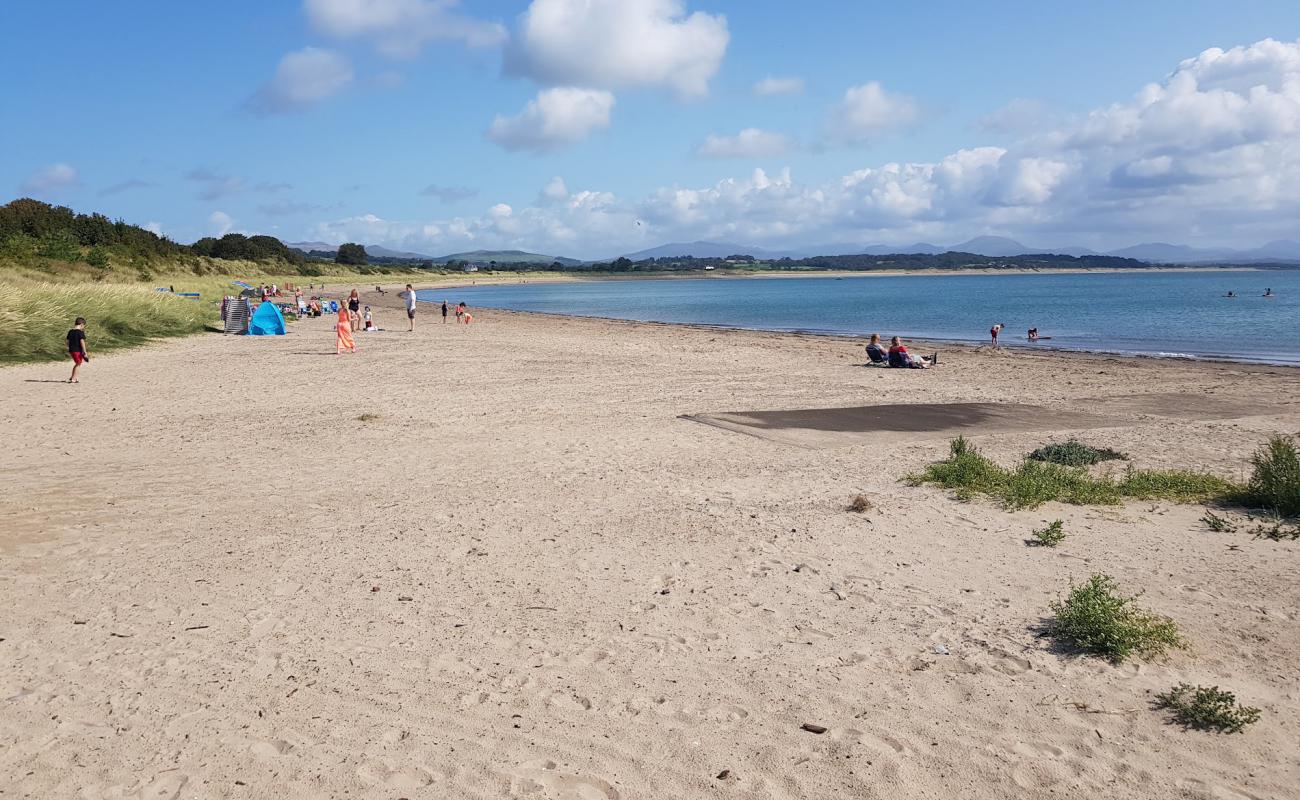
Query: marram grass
x,y
35,318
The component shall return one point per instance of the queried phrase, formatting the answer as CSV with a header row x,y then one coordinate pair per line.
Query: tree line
x,y
33,230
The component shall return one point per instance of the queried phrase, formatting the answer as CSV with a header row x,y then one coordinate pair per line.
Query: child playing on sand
x,y
444,312
77,346
370,322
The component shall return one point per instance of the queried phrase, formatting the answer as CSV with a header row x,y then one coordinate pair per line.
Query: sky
x,y
591,128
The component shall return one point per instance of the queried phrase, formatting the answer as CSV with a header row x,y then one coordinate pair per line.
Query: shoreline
x,y
921,340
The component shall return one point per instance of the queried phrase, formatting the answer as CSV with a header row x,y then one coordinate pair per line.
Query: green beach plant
x,y
1050,536
1073,453
1217,523
1275,483
969,473
1095,618
1207,708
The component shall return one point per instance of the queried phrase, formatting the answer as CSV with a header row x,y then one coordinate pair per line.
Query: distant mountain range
x,y
1280,251
473,256
505,257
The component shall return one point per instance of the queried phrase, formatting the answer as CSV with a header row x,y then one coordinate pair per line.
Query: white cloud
x,y
401,28
303,79
50,180
220,223
749,143
613,44
154,227
557,118
1211,152
868,111
555,190
771,87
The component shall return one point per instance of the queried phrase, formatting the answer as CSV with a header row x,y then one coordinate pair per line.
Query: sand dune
x,y
529,577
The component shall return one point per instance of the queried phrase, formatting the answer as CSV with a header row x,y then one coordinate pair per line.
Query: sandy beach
x,y
497,561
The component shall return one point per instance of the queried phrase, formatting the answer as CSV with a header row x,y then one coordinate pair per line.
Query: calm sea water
x,y
1181,314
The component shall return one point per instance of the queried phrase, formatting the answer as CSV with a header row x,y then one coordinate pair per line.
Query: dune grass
x,y
35,318
1032,483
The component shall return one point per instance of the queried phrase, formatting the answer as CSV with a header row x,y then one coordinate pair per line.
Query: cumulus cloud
x,y
303,79
1213,149
220,223
50,180
401,28
557,118
749,143
613,44
868,111
555,190
154,227
772,87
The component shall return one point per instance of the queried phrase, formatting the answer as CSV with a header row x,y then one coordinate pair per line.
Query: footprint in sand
x,y
541,779
380,773
270,748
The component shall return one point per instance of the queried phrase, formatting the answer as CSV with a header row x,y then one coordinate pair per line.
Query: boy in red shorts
x,y
77,346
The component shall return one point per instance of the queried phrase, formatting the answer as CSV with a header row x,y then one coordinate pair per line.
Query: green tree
x,y
351,253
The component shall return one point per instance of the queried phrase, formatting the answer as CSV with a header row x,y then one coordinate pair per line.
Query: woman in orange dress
x,y
344,339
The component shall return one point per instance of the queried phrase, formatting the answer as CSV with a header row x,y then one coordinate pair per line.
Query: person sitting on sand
x,y
876,351
343,330
899,357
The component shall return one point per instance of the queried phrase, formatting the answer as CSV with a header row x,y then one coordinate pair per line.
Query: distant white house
x,y
711,267
471,267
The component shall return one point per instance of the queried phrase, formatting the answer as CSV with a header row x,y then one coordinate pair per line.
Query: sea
x,y
1166,313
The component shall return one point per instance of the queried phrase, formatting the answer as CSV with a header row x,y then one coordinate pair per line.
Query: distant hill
x,y
704,250
991,246
376,250
506,257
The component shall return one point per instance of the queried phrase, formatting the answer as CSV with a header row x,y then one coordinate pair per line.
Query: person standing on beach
x,y
77,346
444,312
343,333
354,310
994,331
409,295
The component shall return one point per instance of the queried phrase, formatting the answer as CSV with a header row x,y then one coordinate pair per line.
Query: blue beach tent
x,y
267,321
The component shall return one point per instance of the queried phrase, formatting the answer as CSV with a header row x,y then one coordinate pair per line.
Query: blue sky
x,y
407,122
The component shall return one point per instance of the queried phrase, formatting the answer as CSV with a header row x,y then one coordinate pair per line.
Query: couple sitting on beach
x,y
897,355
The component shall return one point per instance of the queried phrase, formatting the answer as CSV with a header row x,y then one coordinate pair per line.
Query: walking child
x,y
77,346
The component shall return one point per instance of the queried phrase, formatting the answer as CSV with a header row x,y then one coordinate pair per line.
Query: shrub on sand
x,y
860,504
1275,483
1050,536
1207,709
1096,619
1073,453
